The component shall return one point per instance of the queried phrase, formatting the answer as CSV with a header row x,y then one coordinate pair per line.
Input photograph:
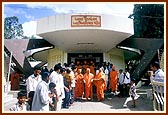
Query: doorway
x,y
96,58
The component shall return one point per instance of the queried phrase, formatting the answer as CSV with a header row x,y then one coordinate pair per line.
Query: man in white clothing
x,y
107,75
158,77
158,73
55,78
61,89
127,81
41,97
73,73
33,80
121,82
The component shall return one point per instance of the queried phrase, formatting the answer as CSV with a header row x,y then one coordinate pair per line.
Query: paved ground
x,y
111,104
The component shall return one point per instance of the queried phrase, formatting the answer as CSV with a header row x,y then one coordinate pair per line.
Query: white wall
x,y
56,56
63,22
116,57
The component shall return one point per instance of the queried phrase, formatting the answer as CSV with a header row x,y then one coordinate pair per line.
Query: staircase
x,y
9,99
149,47
143,64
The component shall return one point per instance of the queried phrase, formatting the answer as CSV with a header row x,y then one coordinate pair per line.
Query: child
x,y
53,96
132,91
21,105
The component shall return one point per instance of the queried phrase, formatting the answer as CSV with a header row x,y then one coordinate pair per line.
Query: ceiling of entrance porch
x,y
85,40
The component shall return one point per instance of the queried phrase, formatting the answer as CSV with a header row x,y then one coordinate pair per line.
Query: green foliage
x,y
12,28
148,20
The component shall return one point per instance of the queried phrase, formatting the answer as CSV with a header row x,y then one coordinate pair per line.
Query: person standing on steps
x,y
33,80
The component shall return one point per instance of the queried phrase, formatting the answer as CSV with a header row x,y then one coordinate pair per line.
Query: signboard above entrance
x,y
85,21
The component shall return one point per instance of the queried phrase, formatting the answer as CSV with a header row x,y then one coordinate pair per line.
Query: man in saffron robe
x,y
78,65
113,79
85,66
100,83
92,68
15,79
88,85
79,84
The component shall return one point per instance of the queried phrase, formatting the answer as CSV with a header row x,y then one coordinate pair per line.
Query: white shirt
x,y
121,78
132,90
159,77
32,82
51,98
97,71
17,107
55,78
106,73
73,79
62,86
41,98
127,78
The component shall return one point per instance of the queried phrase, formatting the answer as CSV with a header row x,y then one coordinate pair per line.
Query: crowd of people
x,y
60,88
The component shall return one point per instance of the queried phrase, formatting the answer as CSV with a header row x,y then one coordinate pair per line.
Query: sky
x,y
29,13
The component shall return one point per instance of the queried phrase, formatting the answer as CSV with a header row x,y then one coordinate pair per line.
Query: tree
x,y
148,20
12,28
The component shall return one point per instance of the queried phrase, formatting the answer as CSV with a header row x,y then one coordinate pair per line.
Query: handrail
x,y
158,92
9,71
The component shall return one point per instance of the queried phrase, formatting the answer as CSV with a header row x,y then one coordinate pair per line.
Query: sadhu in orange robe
x,y
99,81
79,85
15,81
88,85
78,66
113,79
92,69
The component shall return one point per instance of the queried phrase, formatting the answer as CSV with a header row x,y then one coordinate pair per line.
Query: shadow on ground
x,y
142,102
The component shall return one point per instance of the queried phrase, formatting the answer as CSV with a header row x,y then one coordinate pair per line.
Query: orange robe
x,y
92,70
79,67
15,78
79,86
88,85
113,80
99,82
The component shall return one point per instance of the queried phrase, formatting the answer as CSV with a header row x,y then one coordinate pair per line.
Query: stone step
x,y
8,98
9,104
8,101
14,93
